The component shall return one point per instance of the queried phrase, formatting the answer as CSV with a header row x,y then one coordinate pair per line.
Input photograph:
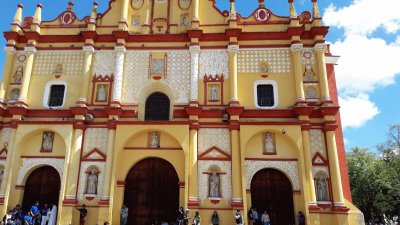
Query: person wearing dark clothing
x,y
301,218
82,214
215,218
181,214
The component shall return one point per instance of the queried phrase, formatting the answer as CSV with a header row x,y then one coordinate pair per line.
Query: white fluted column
x,y
194,76
118,74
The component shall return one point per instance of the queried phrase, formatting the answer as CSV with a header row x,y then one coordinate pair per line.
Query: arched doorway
x,y
152,192
157,107
271,190
42,185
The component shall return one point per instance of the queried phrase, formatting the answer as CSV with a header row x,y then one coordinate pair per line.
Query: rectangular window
x,y
56,98
265,95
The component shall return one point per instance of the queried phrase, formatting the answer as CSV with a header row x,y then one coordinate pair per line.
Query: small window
x,y
265,94
56,98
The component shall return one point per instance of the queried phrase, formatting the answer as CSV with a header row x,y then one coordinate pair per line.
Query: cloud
x,y
368,61
356,111
365,16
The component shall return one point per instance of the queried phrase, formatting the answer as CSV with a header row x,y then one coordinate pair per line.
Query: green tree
x,y
370,183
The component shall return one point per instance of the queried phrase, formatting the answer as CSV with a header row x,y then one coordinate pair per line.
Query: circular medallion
x,y
21,58
262,15
67,18
137,4
308,67
307,55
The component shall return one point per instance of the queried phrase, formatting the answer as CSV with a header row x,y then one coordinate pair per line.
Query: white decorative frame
x,y
82,178
225,179
47,89
274,86
289,168
29,164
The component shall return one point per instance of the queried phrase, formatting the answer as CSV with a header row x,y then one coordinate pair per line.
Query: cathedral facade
x,y
161,104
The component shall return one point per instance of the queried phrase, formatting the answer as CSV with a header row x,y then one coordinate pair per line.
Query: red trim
x,y
1,153
95,150
318,155
214,148
120,183
274,159
109,80
216,79
20,187
42,157
155,149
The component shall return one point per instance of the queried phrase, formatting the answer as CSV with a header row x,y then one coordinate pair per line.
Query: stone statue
x,y
322,190
214,185
269,143
18,75
47,144
214,93
154,142
92,182
14,94
102,93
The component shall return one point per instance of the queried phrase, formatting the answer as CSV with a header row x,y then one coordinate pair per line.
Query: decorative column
x,y
338,199
105,212
233,71
89,51
30,55
194,76
298,70
8,65
5,184
312,202
237,175
73,173
118,75
323,77
123,22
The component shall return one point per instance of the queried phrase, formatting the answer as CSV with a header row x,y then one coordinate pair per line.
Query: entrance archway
x,y
157,107
152,192
271,190
42,185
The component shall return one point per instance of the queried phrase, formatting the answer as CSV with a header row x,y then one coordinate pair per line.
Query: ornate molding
x,y
225,179
289,168
233,48
88,49
30,50
28,164
320,47
296,47
10,50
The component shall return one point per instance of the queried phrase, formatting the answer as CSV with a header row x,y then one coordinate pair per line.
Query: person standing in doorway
x,y
250,216
196,219
45,217
124,215
238,218
181,214
215,218
186,217
82,214
265,218
255,216
52,215
301,218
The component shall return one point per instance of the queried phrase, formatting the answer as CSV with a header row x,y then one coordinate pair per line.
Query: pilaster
x,y
233,70
30,52
118,75
86,74
298,70
10,54
323,76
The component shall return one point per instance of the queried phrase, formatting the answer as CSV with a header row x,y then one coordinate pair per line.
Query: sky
x,y
364,33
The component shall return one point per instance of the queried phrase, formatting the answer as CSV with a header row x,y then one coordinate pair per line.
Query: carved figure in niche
x,y
263,68
322,189
47,143
154,140
92,182
59,69
136,21
184,21
157,67
214,185
1,176
102,93
269,144
311,92
14,94
309,74
214,92
19,73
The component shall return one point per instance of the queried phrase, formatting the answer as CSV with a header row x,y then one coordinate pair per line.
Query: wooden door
x,y
152,192
271,190
42,185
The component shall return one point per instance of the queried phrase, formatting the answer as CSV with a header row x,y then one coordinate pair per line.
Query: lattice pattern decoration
x,y
45,62
317,142
214,63
135,75
289,168
29,164
96,138
249,61
225,179
178,72
5,136
104,63
218,137
318,169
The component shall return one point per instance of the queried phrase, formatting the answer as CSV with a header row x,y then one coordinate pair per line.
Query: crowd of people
x,y
36,215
